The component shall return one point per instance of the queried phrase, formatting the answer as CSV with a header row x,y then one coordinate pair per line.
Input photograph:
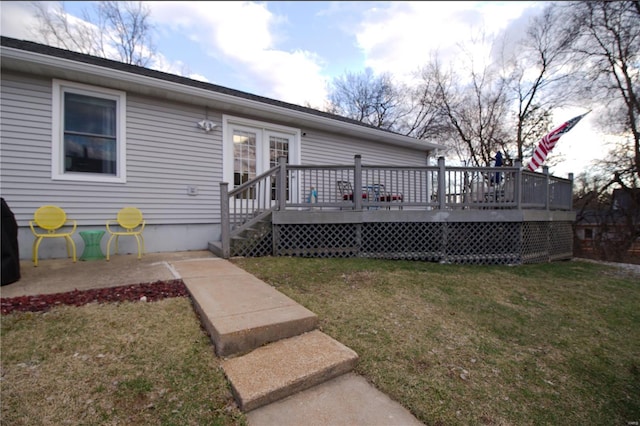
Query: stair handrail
x,y
254,209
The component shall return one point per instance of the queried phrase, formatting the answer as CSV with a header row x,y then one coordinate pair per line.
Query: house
x,y
612,231
93,135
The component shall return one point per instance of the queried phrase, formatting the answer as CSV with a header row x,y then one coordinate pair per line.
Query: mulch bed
x,y
151,291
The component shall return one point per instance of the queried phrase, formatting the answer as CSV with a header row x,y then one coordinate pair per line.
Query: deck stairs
x,y
245,236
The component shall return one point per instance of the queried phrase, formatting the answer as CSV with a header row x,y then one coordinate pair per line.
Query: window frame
x,y
60,87
590,232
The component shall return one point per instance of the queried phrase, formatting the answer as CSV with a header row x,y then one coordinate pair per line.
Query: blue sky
x,y
290,50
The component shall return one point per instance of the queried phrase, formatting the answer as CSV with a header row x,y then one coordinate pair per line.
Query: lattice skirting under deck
x,y
448,242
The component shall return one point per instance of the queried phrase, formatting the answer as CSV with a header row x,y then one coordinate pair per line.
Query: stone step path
x,y
347,400
239,311
282,370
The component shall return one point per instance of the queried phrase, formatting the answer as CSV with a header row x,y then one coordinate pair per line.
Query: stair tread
x,y
241,312
285,367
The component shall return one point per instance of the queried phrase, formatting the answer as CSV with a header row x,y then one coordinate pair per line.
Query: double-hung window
x,y
88,133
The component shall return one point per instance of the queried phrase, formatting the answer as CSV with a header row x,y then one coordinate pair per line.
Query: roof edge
x,y
56,57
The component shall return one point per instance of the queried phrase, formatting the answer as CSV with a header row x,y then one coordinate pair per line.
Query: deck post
x,y
571,192
357,183
518,184
441,184
225,223
282,183
545,170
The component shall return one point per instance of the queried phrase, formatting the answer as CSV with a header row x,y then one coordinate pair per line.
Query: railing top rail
x,y
559,179
324,166
482,169
382,166
412,168
540,174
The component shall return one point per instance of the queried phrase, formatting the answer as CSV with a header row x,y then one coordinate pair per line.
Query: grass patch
x,y
534,344
118,364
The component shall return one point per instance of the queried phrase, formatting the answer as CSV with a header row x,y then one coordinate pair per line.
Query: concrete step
x,y
239,311
275,371
347,400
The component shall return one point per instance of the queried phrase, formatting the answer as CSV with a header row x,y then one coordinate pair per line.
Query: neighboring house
x,y
93,135
614,231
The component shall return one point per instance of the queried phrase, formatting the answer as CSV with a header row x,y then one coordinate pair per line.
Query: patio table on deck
x,y
92,239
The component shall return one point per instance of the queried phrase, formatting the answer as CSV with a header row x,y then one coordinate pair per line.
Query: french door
x,y
256,149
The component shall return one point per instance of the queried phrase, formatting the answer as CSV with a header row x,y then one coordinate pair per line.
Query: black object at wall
x,y
10,252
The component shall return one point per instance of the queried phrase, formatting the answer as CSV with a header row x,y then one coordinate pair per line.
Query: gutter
x,y
11,56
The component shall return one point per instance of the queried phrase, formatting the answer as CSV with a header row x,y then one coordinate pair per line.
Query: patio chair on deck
x,y
345,190
52,219
129,221
381,194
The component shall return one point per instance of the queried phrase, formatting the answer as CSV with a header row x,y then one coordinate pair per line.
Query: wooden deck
x,y
438,213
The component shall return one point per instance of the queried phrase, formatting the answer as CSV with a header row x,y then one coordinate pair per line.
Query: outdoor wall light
x,y
207,125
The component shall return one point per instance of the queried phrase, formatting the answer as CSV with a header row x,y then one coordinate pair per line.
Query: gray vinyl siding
x,y
324,148
25,134
165,154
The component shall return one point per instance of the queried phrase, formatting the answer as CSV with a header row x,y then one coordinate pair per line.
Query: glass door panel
x,y
278,147
244,160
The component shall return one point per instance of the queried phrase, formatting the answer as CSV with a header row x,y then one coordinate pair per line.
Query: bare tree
x,y
57,28
535,74
126,27
427,119
118,30
382,102
470,110
609,46
368,98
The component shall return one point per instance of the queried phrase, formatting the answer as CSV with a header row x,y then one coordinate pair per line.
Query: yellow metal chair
x,y
129,221
51,219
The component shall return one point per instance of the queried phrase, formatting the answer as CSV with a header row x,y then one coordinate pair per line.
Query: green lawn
x,y
113,364
552,344
536,344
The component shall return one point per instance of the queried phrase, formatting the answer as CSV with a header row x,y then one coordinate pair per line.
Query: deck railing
x,y
365,187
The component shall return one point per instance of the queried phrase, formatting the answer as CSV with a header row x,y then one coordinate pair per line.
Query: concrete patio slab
x,y
63,275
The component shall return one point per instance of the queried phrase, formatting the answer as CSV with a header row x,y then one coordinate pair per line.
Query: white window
x,y
88,133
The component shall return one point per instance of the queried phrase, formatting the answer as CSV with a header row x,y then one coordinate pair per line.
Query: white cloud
x,y
400,37
241,34
16,19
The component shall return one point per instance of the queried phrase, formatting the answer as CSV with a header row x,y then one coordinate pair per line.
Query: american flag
x,y
548,142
